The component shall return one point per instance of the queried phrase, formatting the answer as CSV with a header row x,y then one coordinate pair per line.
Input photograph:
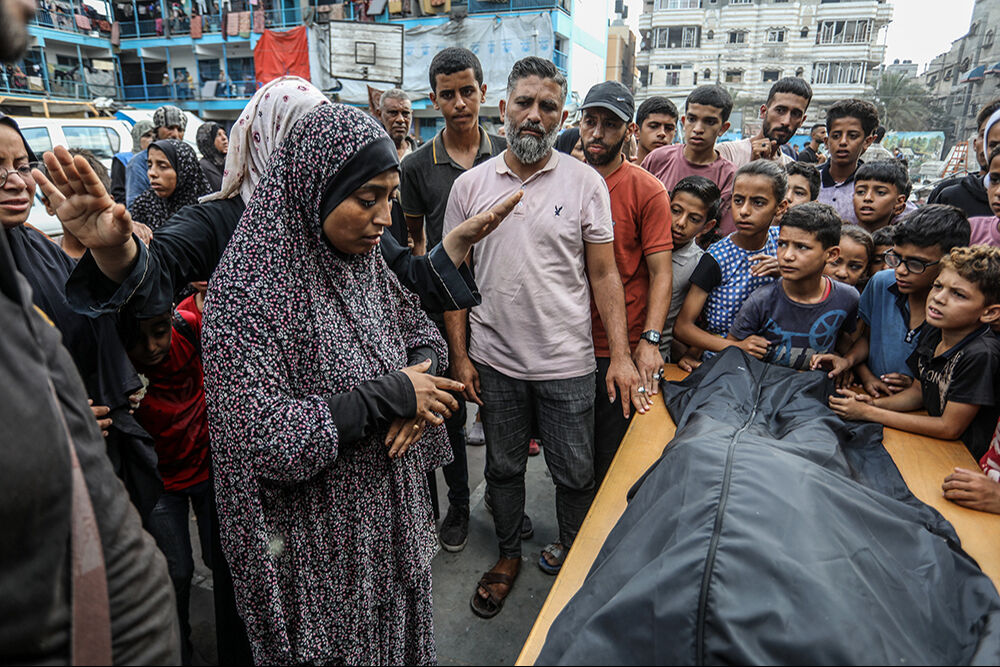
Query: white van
x,y
104,137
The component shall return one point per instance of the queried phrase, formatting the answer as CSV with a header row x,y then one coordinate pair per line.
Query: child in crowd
x,y
706,118
803,183
849,126
986,229
883,244
857,250
656,125
893,303
955,362
880,192
732,269
694,208
166,350
805,312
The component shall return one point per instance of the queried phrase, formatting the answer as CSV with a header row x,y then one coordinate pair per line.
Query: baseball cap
x,y
613,96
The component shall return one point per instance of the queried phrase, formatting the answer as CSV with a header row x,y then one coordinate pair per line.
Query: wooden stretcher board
x,y
923,462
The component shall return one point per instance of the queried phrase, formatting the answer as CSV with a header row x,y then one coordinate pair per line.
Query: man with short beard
x,y
395,113
640,209
530,357
783,115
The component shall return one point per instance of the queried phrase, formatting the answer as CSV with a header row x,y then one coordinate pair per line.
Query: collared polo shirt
x,y
427,175
838,195
534,320
887,314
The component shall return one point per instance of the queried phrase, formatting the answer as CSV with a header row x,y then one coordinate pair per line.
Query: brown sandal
x,y
491,605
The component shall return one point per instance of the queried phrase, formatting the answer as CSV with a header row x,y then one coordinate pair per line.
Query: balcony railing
x,y
52,88
561,60
493,7
55,20
181,92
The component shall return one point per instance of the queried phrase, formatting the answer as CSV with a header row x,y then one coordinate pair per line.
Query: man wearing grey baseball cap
x,y
640,210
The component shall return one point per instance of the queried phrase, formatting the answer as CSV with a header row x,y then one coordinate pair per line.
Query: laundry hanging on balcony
x,y
281,53
259,21
196,27
245,23
82,22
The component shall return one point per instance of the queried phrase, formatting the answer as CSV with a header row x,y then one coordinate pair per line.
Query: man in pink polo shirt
x,y
530,354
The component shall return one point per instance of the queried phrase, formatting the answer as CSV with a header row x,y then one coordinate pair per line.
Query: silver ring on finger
x,y
641,389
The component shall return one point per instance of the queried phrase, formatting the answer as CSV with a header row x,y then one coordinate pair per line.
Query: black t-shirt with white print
x,y
966,373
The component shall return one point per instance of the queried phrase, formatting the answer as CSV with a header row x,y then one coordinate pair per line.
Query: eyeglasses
x,y
24,171
893,259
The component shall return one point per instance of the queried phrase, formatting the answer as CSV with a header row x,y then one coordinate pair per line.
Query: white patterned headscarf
x,y
262,126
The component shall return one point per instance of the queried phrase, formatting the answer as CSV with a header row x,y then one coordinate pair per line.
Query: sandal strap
x,y
556,551
496,578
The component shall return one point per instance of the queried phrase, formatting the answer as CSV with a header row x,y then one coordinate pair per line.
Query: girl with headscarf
x,y
175,181
142,136
213,144
327,529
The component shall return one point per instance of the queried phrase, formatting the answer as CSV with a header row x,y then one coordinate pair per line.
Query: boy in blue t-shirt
x,y
892,305
804,313
733,268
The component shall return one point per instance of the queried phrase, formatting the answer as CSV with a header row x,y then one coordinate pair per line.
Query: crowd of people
x,y
283,335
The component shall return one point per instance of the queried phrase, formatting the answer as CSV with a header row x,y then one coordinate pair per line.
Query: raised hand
x,y
81,203
459,241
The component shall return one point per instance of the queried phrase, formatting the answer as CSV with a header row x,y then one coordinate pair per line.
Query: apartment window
x,y
931,81
678,4
707,74
776,35
769,75
839,72
804,32
737,36
672,74
988,39
844,32
947,74
678,37
741,2
734,76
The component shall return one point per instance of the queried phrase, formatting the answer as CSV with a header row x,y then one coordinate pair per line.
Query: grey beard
x,y
529,150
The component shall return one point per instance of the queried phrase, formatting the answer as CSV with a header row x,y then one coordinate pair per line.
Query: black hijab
x,y
566,141
153,210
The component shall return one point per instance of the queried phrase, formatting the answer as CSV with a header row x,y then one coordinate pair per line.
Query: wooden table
x,y
923,462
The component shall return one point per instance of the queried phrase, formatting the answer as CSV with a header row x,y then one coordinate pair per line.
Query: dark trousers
x,y
564,413
456,473
609,424
168,524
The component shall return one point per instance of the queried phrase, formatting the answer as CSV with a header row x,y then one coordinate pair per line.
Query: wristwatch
x,y
651,336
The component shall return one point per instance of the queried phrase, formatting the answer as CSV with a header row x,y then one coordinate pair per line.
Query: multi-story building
x,y
621,55
148,52
746,45
967,76
907,68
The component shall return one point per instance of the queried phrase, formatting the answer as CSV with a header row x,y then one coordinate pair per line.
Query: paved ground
x,y
462,637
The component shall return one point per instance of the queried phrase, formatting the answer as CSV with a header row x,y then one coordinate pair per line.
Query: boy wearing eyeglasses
x,y
955,361
892,305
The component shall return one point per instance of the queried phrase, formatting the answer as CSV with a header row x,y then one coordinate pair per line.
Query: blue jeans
x,y
563,411
168,524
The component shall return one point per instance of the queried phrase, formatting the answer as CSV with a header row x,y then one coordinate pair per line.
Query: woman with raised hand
x,y
175,181
324,423
119,270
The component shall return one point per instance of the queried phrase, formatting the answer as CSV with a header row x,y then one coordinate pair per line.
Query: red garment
x,y
196,27
990,463
282,53
82,22
640,210
173,410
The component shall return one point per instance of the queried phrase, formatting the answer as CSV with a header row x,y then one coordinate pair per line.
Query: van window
x,y
92,138
115,139
38,139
